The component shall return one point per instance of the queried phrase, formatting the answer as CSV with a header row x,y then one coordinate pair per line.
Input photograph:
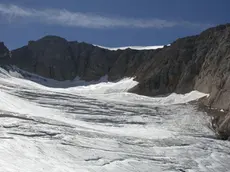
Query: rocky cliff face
x,y
198,62
56,58
4,54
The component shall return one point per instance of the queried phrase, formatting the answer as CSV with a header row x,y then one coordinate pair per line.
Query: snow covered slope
x,y
95,127
133,47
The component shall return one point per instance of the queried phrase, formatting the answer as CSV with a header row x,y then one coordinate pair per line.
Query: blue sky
x,y
110,23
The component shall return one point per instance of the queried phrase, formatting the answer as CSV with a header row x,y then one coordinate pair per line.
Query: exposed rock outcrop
x,y
221,124
200,62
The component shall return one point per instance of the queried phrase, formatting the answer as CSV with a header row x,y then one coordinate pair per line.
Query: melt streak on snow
x,y
46,126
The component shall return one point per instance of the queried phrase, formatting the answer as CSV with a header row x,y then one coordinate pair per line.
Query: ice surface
x,y
53,126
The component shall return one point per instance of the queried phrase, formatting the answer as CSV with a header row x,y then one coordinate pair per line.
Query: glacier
x,y
46,125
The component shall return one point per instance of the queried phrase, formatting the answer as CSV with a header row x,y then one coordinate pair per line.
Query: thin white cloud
x,y
14,13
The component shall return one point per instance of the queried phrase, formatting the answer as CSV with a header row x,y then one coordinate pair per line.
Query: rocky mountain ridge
x,y
198,62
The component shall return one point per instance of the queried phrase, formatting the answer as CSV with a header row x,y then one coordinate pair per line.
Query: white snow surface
x,y
46,126
133,47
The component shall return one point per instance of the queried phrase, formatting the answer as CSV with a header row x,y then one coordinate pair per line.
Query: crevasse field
x,y
50,126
